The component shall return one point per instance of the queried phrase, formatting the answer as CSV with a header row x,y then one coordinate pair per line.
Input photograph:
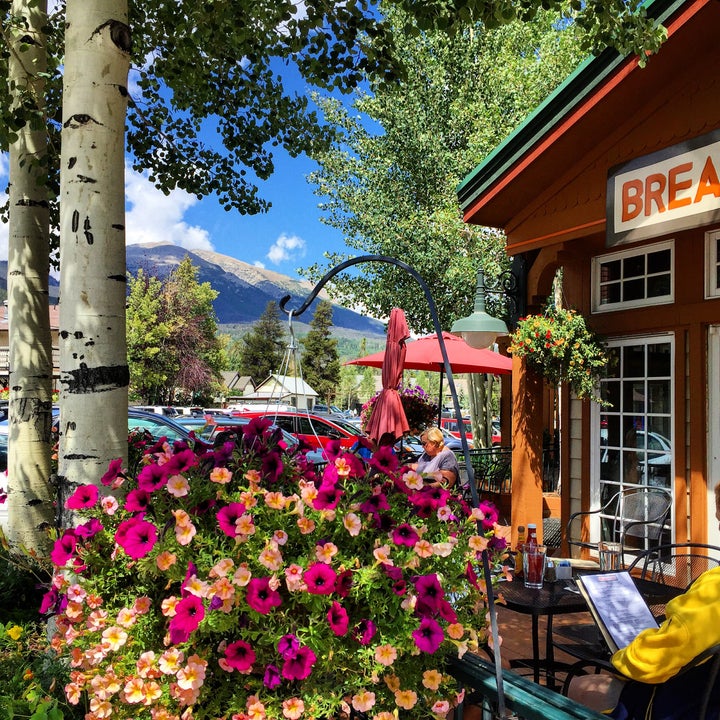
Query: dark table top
x,y
551,599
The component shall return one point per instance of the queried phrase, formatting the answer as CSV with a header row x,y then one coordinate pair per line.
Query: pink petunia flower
x,y
320,579
138,539
261,597
85,496
405,534
64,548
137,501
240,656
113,471
152,477
429,636
189,613
89,529
300,666
328,496
365,631
228,516
338,619
430,594
271,678
288,646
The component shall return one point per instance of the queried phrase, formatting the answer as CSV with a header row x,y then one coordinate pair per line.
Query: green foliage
x,y
560,347
391,191
320,362
174,351
260,352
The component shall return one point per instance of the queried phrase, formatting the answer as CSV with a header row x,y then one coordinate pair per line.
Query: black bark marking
x,y
71,163
78,456
117,227
79,119
26,202
100,379
90,343
121,36
119,278
64,334
78,334
34,501
86,179
123,90
75,221
88,235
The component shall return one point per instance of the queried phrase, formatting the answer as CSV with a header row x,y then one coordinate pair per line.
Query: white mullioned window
x,y
712,264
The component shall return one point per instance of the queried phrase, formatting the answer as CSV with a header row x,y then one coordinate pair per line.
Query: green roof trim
x,y
583,82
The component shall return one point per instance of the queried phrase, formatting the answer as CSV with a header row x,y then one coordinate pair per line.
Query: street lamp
x,y
456,405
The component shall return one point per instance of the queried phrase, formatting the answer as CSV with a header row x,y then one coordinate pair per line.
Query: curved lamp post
x,y
456,406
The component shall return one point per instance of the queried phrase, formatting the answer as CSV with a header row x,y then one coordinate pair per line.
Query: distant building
x,y
283,389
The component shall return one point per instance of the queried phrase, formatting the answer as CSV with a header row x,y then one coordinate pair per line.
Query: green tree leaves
x,y
320,362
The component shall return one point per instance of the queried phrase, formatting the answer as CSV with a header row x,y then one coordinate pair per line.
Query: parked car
x,y
319,409
317,431
166,410
451,425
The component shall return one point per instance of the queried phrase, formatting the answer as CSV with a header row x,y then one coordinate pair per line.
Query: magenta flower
x,y
429,594
114,469
261,597
85,496
138,539
429,636
272,467
299,667
328,496
152,477
64,548
384,460
497,543
375,503
405,534
240,656
271,678
338,619
365,631
343,583
320,579
50,601
179,463
447,612
89,529
490,514
189,613
228,516
137,501
288,646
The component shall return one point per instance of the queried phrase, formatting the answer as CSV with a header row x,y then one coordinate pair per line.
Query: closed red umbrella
x,y
388,415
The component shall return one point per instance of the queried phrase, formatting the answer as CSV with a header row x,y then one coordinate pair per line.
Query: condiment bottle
x,y
531,534
519,550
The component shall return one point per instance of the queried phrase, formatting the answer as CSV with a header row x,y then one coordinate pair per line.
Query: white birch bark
x,y
30,508
93,358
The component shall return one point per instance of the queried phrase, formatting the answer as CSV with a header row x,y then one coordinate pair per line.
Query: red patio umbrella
x,y
388,415
425,354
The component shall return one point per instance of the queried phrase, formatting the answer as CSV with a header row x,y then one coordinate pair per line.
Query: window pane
x,y
613,366
610,271
611,393
634,266
634,290
633,396
634,361
658,261
659,360
613,430
658,286
610,293
658,396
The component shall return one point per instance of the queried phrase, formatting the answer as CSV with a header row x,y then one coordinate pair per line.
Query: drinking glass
x,y
609,556
534,558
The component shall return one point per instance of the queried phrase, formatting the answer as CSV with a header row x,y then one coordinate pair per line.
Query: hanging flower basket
x,y
234,582
559,346
420,409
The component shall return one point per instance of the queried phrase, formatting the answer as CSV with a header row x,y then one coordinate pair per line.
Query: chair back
x,y
677,564
642,513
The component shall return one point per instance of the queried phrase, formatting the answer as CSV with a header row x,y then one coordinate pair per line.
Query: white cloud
x,y
286,247
154,217
259,264
3,200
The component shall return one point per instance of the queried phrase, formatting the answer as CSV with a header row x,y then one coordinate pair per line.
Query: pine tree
x,y
262,349
320,361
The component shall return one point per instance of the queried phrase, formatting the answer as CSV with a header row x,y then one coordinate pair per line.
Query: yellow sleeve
x,y
692,625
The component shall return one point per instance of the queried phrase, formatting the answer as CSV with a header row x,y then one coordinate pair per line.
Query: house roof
x,y
235,381
289,385
491,194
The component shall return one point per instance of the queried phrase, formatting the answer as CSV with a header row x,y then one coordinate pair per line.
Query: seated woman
x,y
646,686
437,458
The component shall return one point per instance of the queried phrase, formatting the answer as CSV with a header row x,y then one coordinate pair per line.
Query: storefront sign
x,y
669,190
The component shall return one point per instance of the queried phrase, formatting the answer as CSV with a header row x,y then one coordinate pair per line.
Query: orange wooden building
x,y
614,179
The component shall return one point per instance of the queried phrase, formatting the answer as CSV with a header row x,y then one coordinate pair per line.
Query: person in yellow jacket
x,y
655,656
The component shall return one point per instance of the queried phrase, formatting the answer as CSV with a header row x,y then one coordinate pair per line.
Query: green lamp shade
x,y
479,330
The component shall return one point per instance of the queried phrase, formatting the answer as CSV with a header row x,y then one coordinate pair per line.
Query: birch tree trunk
x,y
93,359
30,508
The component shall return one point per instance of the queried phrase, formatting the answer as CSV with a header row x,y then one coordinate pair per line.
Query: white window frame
x,y
712,261
599,260
595,440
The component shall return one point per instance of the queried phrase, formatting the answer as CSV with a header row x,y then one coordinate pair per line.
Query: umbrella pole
x,y
440,402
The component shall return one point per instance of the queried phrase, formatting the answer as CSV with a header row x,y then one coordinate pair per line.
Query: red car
x,y
317,431
451,425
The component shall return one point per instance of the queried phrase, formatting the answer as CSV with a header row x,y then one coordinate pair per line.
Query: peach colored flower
x,y
326,552
242,575
393,682
191,677
126,618
221,588
455,631
196,587
248,499
385,715
74,611
294,578
185,533
275,500
115,637
382,555
352,524
255,709
165,560
293,708
168,606
308,491
171,661
181,518
101,708
444,549
109,505
280,537
153,691
413,480
76,593
363,701
245,525
253,476
145,665
406,699
178,486
134,691
97,620
271,557
423,549
441,708
385,654
306,525
432,679
222,568
73,692
342,466
444,513
477,543
220,475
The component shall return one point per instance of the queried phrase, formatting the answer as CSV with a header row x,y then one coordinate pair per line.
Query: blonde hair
x,y
434,435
